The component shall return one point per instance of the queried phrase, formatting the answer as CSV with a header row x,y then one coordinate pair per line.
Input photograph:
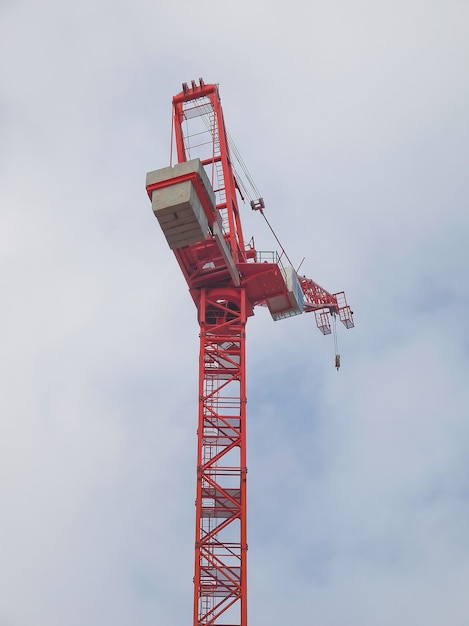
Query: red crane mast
x,y
196,204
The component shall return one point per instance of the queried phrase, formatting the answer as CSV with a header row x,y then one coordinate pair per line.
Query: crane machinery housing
x,y
196,204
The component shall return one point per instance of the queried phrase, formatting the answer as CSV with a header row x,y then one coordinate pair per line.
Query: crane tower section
x,y
196,204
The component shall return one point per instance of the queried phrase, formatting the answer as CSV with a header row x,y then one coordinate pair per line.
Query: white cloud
x,y
353,121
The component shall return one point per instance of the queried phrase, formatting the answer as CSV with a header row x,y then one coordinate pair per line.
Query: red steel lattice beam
x,y
221,542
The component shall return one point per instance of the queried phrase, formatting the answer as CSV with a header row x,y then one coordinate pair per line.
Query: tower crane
x,y
196,204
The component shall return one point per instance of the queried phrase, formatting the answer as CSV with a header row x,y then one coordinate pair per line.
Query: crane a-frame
x,y
196,204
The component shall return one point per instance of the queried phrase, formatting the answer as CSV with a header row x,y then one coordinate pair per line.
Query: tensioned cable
x,y
239,179
257,193
336,343
249,178
234,150
276,238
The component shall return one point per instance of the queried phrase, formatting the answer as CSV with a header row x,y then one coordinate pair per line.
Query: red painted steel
x,y
221,541
202,103
226,280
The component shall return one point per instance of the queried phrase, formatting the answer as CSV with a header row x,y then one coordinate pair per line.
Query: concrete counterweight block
x,y
177,206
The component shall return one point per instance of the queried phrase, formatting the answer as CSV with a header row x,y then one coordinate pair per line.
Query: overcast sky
x,y
353,120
